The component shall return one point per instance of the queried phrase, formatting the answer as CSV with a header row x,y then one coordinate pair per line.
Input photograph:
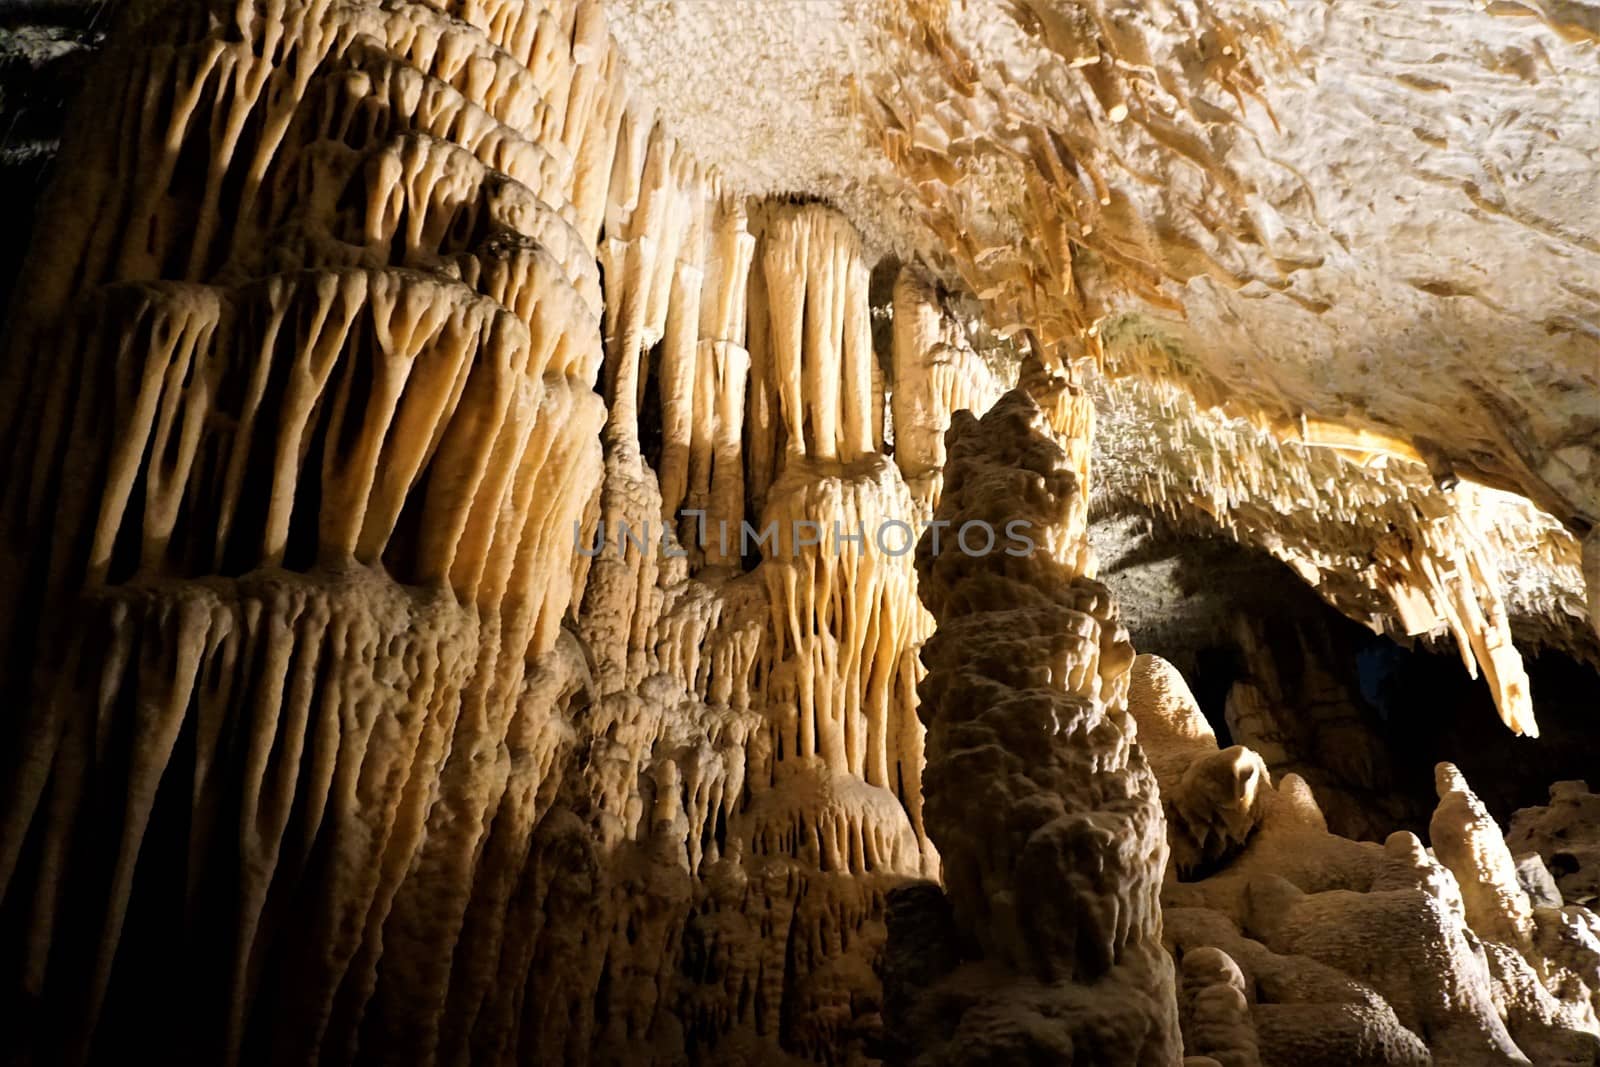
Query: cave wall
x,y
374,689
404,670
45,49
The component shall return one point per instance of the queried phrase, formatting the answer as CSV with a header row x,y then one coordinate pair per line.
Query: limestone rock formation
x,y
1566,837
1336,264
443,591
1213,798
1044,810
1291,710
1354,952
497,569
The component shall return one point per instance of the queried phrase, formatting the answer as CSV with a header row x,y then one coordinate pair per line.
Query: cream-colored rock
x,y
1215,1013
1426,961
1295,312
392,677
362,613
1172,730
1213,799
1466,840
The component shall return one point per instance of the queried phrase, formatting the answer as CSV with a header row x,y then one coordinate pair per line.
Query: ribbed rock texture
x,y
471,583
446,607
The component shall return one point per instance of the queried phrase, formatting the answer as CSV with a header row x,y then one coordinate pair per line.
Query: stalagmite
x,y
1215,1012
1466,840
1354,952
1040,800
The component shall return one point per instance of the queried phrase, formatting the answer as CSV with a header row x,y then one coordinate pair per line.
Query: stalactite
x,y
461,604
935,374
1381,542
349,441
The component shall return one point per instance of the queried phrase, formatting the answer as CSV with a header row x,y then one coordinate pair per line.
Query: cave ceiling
x,y
1332,270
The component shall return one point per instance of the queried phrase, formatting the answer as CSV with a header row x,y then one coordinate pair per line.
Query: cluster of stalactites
x,y
392,417
741,331
298,506
537,95
843,618
845,622
936,373
1442,575
813,392
664,219
772,415
1380,540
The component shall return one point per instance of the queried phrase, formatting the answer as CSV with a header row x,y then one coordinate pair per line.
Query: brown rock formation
x,y
457,591
383,687
1566,836
1359,953
1041,803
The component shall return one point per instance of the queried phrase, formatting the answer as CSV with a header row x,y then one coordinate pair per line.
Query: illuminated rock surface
x,y
471,576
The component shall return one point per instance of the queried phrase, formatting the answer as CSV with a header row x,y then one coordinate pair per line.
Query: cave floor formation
x,y
563,532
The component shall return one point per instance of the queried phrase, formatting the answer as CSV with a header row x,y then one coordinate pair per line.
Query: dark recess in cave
x,y
1185,598
44,48
1216,669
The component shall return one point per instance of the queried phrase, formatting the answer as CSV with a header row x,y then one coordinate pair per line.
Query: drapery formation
x,y
330,713
459,606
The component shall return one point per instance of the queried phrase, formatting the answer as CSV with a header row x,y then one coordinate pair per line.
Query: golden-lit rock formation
x,y
1212,172
293,542
1381,541
1334,262
484,579
440,707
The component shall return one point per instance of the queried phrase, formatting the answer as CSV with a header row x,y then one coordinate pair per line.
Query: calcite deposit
x,y
556,531
1352,952
1565,836
1335,262
1045,812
